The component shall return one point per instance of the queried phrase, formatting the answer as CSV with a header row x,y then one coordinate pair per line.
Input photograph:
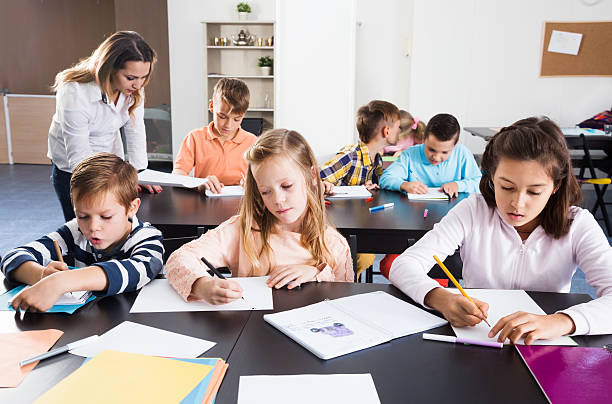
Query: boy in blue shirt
x,y
440,162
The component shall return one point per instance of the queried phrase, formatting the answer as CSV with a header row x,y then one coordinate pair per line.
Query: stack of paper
x,y
119,377
348,192
432,194
67,303
337,327
152,177
19,346
228,190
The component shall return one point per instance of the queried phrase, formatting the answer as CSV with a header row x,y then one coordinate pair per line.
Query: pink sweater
x,y
222,247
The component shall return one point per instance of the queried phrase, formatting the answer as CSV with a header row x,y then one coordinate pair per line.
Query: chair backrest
x,y
174,243
253,125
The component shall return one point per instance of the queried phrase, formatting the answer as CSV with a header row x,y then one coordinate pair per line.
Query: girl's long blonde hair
x,y
111,56
257,223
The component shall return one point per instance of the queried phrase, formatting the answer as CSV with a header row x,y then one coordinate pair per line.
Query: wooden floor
x,y
29,209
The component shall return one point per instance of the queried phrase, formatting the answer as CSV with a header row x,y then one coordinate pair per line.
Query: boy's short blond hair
x,y
101,173
372,115
234,93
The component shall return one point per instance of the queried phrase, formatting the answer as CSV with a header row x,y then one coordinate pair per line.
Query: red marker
x,y
328,203
370,199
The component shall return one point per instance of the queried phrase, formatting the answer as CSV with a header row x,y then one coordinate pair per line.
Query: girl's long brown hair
x,y
257,223
536,139
111,56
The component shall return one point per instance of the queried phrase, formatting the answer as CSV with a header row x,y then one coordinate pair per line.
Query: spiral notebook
x,y
337,327
570,374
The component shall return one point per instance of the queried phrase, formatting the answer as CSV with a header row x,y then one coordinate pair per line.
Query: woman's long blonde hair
x,y
111,56
255,219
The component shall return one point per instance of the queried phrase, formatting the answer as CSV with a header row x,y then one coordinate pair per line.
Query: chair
x,y
588,162
253,125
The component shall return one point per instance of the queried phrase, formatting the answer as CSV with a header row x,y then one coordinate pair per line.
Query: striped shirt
x,y
128,267
352,166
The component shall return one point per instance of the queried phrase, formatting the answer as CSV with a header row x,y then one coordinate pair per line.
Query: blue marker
x,y
381,207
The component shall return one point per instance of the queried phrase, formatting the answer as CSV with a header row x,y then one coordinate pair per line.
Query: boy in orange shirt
x,y
216,152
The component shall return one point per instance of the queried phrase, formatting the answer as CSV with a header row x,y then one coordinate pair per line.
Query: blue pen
x,y
415,176
381,207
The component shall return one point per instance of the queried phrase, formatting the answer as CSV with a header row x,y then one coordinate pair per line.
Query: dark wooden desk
x,y
101,315
177,212
407,369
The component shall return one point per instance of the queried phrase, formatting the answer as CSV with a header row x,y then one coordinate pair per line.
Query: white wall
x,y
186,36
480,60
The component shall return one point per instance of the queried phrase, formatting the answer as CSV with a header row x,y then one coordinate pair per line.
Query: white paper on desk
x,y
502,303
142,339
228,190
349,191
152,177
564,42
308,389
159,297
433,194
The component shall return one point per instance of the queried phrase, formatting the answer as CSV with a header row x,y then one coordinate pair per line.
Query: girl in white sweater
x,y
525,231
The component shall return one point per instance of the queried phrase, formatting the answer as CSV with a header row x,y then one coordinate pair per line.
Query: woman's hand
x,y
215,290
152,189
457,309
532,327
292,276
41,296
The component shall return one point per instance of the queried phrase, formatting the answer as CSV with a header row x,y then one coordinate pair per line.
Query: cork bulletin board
x,y
594,57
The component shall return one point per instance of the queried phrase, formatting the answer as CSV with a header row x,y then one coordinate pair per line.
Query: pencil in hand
x,y
454,281
58,251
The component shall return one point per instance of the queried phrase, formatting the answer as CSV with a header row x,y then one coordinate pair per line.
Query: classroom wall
x,y
185,40
480,60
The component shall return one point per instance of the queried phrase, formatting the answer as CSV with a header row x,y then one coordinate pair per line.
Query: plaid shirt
x,y
352,166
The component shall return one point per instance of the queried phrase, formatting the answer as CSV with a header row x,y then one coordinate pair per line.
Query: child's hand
x,y
292,276
152,189
215,290
53,267
451,189
458,310
328,188
414,187
213,185
532,327
371,186
39,297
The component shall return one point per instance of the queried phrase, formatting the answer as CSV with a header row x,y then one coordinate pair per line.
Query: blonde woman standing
x,y
95,99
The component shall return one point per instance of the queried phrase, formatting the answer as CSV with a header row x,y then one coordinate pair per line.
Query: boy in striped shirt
x,y
113,251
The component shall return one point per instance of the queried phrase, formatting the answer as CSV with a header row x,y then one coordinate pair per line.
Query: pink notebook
x,y
570,374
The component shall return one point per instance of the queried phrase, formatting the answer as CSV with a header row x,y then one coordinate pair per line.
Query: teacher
x,y
96,98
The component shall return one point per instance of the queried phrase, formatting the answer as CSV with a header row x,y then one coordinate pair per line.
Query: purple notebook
x,y
570,374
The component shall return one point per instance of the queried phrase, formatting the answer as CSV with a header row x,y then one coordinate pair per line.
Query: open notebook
x,y
337,327
349,192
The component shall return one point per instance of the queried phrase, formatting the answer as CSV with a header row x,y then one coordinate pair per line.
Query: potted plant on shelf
x,y
265,64
243,11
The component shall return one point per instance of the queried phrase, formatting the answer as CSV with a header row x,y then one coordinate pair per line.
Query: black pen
x,y
214,271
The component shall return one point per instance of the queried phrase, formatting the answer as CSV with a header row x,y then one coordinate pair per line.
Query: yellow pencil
x,y
454,281
58,251
601,181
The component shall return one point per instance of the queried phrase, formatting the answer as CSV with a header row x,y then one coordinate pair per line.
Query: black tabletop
x,y
177,212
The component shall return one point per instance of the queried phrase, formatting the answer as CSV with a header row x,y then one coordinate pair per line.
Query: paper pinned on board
x,y
564,42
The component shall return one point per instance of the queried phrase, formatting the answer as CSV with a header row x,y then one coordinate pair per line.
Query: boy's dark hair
x,y
372,115
444,127
233,92
536,139
101,173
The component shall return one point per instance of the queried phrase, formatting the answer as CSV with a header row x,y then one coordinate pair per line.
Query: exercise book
x,y
433,194
337,327
349,192
64,305
502,303
159,297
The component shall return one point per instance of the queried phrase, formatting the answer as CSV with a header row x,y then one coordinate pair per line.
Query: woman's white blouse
x,y
83,124
495,257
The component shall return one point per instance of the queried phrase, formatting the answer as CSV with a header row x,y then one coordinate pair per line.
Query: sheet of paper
x,y
6,297
502,303
564,42
228,190
119,377
142,339
159,297
308,389
153,177
18,346
348,192
432,194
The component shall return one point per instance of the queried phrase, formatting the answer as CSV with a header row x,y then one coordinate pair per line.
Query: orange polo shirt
x,y
203,151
